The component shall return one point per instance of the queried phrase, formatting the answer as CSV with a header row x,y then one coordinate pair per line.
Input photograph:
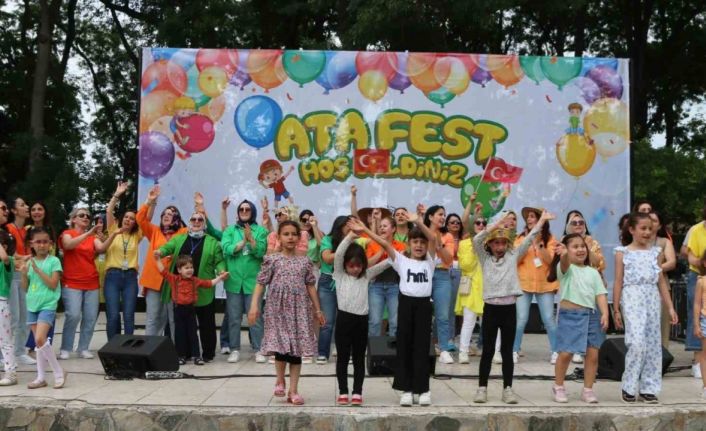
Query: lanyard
x,y
194,247
126,244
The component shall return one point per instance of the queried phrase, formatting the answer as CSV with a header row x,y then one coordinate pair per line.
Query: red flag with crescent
x,y
498,171
371,161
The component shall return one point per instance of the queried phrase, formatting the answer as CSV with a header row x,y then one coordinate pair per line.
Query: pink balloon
x,y
196,133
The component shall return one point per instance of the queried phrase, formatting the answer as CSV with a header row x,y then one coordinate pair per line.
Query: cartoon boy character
x,y
272,176
575,119
184,107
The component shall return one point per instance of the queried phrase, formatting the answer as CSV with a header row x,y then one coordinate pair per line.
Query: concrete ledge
x,y
79,416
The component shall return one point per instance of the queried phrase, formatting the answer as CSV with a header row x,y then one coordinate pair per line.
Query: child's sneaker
x,y
648,398
497,358
559,394
234,356
463,358
554,357
342,400
515,357
588,396
8,379
307,360
321,360
406,399
446,358
425,399
357,400
509,397
627,398
696,371
481,395
577,358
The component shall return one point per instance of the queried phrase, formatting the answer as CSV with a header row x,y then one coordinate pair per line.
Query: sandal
x,y
295,399
198,361
182,361
279,390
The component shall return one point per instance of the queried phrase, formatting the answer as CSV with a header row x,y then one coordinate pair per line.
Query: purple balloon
x,y
400,81
608,80
481,77
240,79
589,89
156,155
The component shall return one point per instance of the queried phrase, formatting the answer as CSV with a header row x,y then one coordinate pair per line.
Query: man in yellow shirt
x,y
696,247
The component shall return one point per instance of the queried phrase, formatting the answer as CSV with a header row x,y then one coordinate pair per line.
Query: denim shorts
x,y
46,316
702,322
578,329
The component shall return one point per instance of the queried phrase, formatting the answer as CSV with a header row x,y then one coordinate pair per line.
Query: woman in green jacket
x,y
207,255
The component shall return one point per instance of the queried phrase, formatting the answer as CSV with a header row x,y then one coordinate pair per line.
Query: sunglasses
x,y
577,223
195,219
280,215
481,223
83,215
40,241
244,210
454,222
304,219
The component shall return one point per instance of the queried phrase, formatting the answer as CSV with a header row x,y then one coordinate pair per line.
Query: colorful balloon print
x,y
510,74
383,62
226,59
452,74
575,154
241,78
195,133
257,119
401,81
607,124
491,195
163,125
259,59
215,108
441,96
303,66
490,62
156,155
590,63
184,58
532,68
339,70
420,69
561,70
154,105
589,89
164,75
608,80
213,81
271,76
481,77
372,85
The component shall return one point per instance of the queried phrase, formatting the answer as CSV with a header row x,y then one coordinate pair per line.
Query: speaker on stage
x,y
382,356
611,359
132,355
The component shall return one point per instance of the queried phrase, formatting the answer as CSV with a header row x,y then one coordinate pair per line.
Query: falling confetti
x,y
549,99
289,97
553,60
587,194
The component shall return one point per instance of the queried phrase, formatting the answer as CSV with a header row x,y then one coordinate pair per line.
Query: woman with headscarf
x,y
170,224
207,257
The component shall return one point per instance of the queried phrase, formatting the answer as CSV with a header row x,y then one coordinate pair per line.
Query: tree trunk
x,y
640,13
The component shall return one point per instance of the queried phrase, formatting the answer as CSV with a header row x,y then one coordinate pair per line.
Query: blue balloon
x,y
163,53
257,119
590,63
184,57
339,70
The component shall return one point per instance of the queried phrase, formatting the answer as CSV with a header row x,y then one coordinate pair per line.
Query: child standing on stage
x,y
184,288
352,275
7,345
639,282
501,287
41,279
291,295
580,330
700,318
414,309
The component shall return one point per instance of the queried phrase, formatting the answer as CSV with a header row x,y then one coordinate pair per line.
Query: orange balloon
x,y
490,62
418,62
575,154
214,109
420,69
510,74
164,75
452,74
154,105
271,76
259,59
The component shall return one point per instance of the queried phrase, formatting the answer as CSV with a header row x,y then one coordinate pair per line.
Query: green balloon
x,y
303,66
441,96
201,100
561,70
489,194
532,68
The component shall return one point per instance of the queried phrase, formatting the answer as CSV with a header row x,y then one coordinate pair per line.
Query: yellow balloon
x,y
452,74
154,105
372,85
607,124
575,154
213,81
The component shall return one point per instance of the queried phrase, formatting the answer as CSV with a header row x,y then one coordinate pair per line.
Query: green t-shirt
x,y
399,237
312,252
580,285
6,277
326,244
39,295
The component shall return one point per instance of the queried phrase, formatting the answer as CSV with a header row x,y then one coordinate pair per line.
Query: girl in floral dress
x,y
289,328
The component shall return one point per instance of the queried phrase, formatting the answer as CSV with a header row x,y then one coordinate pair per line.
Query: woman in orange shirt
x,y
533,270
434,218
170,224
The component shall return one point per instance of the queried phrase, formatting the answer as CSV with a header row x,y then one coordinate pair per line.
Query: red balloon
x,y
383,62
227,59
164,75
195,133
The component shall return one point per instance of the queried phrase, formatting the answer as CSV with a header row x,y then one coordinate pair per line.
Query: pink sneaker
x,y
559,393
588,396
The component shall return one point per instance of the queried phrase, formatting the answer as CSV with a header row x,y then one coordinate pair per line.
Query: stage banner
x,y
301,127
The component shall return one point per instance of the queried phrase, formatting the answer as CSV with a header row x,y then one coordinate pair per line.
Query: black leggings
x,y
496,317
351,338
286,357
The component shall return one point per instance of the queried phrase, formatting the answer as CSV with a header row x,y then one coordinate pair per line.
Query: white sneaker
x,y
446,358
85,354
554,357
271,359
307,360
8,379
406,399
463,358
509,396
696,371
234,356
260,359
577,359
26,360
225,350
425,399
481,395
63,354
321,360
497,358
515,357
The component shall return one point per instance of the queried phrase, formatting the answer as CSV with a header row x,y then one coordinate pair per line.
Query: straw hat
x,y
363,213
500,233
527,210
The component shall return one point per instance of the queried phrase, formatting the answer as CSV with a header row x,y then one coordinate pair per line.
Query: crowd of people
x,y
403,273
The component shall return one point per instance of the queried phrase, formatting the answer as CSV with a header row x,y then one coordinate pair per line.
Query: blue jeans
x,y
381,293
693,343
441,296
329,306
236,305
120,290
545,301
455,276
18,314
158,314
79,305
225,335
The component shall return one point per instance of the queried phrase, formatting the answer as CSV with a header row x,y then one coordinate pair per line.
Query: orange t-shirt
x,y
373,248
151,278
532,270
450,245
79,263
19,236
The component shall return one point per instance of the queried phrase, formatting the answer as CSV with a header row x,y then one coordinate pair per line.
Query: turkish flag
x,y
371,161
497,171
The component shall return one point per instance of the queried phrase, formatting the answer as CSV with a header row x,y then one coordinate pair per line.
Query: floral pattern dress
x,y
289,325
640,303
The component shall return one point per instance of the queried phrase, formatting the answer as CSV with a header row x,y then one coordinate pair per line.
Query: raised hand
x,y
153,193
421,210
121,188
356,226
225,202
265,204
546,216
198,199
354,190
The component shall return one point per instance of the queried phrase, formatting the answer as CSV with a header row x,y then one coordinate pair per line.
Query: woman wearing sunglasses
x,y
207,257
454,227
79,281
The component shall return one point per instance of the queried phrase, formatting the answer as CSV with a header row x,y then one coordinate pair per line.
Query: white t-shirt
x,y
415,275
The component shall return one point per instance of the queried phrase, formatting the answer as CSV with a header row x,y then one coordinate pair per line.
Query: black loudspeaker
x,y
382,356
611,359
132,355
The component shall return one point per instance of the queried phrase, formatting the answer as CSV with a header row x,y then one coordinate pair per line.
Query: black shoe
x,y
198,361
207,360
627,398
182,361
649,398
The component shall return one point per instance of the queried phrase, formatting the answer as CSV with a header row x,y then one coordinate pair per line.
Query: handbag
x,y
464,286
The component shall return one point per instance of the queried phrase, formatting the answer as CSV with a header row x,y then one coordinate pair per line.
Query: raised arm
x,y
110,211
338,267
224,212
69,243
102,246
318,235
266,220
354,201
435,245
152,196
358,227
466,218
524,246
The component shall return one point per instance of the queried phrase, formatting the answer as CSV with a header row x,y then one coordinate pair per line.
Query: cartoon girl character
x,y
575,119
272,176
183,108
